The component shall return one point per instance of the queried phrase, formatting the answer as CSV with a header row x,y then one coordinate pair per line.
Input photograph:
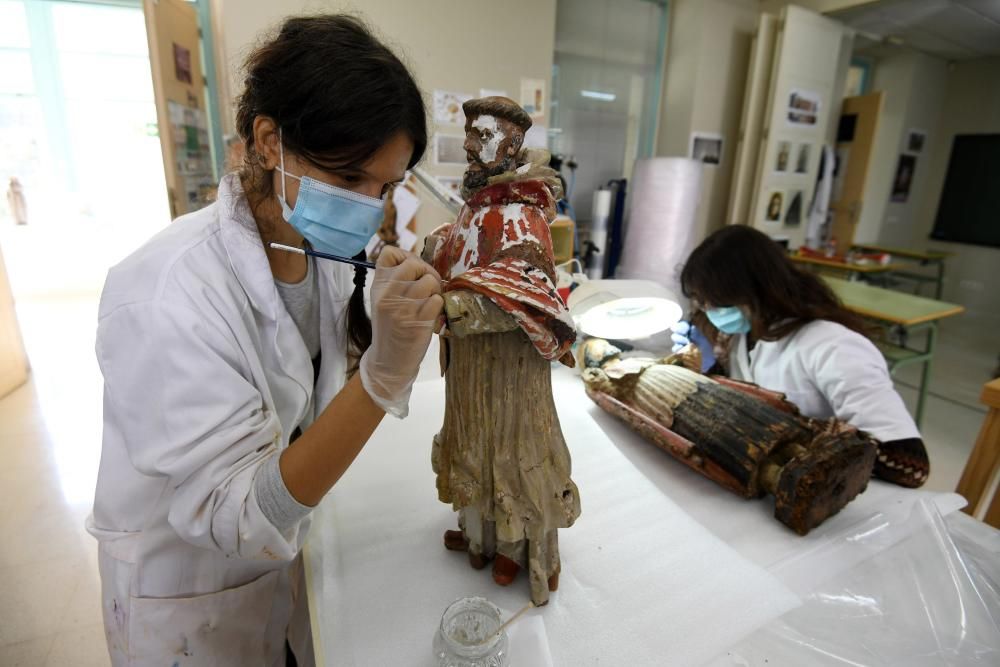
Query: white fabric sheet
x,y
749,525
529,643
642,583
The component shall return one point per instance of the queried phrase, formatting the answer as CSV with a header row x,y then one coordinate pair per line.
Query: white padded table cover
x,y
642,582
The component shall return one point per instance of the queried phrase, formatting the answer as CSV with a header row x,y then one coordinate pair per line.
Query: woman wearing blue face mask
x,y
241,382
776,326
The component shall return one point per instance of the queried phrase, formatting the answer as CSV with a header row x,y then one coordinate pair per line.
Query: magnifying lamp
x,y
623,309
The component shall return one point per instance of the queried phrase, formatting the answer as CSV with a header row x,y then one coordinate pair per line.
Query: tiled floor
x,y
50,445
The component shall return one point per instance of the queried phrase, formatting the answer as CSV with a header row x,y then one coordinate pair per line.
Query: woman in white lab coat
x,y
218,352
784,329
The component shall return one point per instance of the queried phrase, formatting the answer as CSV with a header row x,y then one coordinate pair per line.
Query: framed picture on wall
x,y
533,97
706,148
793,215
449,149
775,206
448,107
182,63
803,107
904,178
802,159
783,157
915,140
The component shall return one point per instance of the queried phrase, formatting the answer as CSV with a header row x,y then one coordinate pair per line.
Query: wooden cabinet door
x,y
855,140
179,91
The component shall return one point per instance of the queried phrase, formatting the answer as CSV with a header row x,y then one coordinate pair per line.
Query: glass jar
x,y
467,636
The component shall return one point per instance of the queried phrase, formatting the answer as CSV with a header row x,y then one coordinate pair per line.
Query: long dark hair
x,y
338,94
740,266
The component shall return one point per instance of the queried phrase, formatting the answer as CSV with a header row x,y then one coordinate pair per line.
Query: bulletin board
x,y
781,147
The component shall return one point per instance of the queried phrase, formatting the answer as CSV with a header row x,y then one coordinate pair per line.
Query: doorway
x,y
78,131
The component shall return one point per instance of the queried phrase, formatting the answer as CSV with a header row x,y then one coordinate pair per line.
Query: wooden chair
x,y
984,461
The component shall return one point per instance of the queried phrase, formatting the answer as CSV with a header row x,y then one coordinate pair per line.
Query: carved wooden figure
x,y
500,457
747,439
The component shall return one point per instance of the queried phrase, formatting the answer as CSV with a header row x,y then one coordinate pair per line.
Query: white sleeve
x,y
189,414
851,373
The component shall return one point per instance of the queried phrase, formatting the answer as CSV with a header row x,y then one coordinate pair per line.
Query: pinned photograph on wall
x,y
904,178
182,63
783,156
533,97
793,216
774,207
803,107
449,149
706,148
802,160
492,92
448,107
915,140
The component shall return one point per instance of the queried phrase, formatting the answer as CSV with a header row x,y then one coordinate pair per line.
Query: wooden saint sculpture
x,y
500,457
747,439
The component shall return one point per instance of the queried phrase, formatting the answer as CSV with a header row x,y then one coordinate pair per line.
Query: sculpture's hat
x,y
500,107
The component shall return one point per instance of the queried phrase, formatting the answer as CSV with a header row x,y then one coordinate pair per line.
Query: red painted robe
x,y
500,246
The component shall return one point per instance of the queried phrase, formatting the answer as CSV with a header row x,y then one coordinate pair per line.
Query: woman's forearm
x,y
319,457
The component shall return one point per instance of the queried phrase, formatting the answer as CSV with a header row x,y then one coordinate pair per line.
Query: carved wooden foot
x,y
454,540
816,484
504,570
478,561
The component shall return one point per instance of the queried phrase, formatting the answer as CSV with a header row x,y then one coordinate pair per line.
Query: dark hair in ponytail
x,y
359,326
338,94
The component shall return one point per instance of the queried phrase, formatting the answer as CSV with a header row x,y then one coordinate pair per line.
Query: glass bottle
x,y
467,635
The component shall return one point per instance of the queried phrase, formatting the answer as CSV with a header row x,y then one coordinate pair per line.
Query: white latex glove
x,y
406,302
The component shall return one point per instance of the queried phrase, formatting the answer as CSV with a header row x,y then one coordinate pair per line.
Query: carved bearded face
x,y
491,145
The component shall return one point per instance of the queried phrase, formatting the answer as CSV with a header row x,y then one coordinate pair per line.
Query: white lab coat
x,y
205,377
828,370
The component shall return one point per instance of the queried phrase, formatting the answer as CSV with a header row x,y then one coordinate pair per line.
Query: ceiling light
x,y
597,95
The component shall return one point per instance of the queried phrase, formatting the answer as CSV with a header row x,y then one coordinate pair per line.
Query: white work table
x,y
647,577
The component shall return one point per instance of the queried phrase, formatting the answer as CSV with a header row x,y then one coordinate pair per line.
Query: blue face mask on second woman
x,y
729,320
332,219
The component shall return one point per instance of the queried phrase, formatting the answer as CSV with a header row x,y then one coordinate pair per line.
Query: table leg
x,y
940,279
980,467
925,374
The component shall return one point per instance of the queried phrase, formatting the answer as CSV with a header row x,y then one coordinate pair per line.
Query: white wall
x,y
971,106
458,45
819,6
708,53
913,87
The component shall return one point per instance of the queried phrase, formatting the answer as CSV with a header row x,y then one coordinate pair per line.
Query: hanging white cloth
x,y
820,208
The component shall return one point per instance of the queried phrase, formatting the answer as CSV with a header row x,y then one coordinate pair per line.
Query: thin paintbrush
x,y
323,255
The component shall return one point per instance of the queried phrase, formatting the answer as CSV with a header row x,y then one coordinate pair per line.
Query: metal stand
x,y
899,354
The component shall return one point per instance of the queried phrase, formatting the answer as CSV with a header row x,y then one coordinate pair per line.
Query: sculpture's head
x,y
494,134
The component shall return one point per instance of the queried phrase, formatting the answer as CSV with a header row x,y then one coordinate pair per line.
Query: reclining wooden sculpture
x,y
500,457
747,439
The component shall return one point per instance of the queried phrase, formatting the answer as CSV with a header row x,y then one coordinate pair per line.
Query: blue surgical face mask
x,y
729,320
332,219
